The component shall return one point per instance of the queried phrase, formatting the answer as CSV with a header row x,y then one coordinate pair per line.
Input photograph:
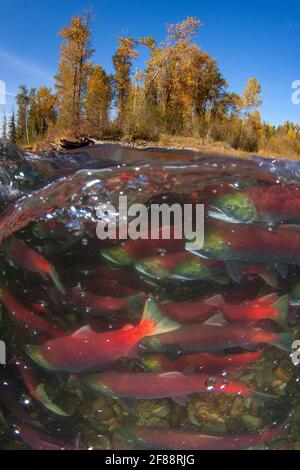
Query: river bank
x,y
172,143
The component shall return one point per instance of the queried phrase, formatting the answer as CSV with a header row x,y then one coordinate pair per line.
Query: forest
x,y
179,92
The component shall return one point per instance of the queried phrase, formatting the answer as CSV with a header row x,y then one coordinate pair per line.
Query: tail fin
x,y
235,271
216,300
136,301
42,396
283,269
284,341
56,280
162,324
269,276
262,398
282,306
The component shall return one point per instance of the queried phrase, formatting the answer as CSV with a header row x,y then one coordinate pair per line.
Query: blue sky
x,y
260,38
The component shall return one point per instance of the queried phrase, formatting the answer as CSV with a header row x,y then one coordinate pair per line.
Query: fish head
x,y
152,268
117,255
151,362
233,208
93,381
191,269
215,247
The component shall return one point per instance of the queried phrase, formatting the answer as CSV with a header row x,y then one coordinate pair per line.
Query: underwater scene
x,y
148,343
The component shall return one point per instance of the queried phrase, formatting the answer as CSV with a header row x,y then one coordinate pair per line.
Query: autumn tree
x,y
98,101
12,134
251,100
42,110
71,80
187,80
252,96
23,102
122,62
4,134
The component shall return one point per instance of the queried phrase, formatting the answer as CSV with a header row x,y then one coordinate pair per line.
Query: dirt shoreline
x,y
168,143
161,146
189,144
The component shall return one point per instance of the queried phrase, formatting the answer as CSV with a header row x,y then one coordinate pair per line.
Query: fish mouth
x,y
199,253
217,213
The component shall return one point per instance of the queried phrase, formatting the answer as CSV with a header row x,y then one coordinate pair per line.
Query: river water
x,y
115,344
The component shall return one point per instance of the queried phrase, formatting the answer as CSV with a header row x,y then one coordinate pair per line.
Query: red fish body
x,y
92,304
111,288
32,261
38,440
124,276
130,251
265,206
189,312
185,267
280,202
160,267
251,244
207,338
180,439
269,307
204,362
87,350
26,318
281,245
148,385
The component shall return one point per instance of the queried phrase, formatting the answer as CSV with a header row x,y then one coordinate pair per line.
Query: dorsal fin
x,y
172,374
269,298
83,331
127,327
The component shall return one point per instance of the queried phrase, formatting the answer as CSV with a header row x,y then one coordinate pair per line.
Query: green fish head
x,y
150,362
94,383
152,268
34,353
215,247
234,208
191,269
117,255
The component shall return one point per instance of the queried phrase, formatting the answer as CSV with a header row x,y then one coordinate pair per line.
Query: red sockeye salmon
x,y
32,261
180,439
204,362
151,385
87,350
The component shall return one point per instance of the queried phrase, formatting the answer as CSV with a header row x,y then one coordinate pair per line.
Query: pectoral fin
x,y
235,271
283,269
181,400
